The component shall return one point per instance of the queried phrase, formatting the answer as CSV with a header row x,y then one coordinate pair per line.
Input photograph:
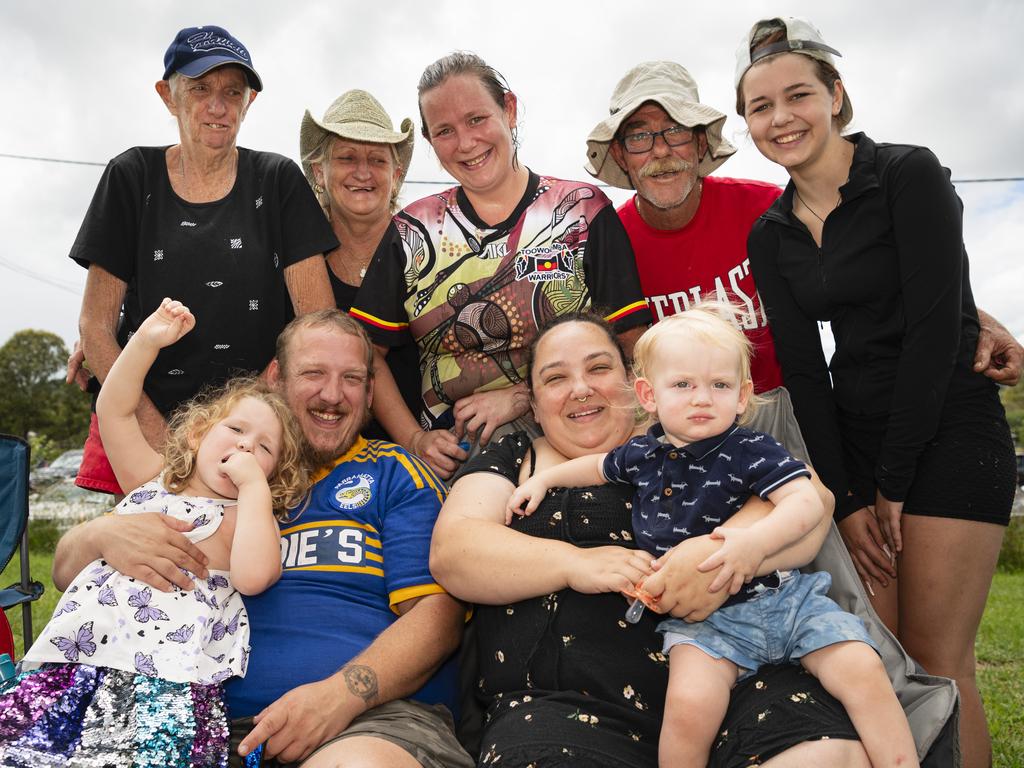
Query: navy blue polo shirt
x,y
689,491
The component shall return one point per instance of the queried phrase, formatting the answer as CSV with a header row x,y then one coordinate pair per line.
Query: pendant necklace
x,y
813,213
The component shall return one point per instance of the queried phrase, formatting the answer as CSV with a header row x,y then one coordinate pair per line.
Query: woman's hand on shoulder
x,y
998,355
479,414
871,557
607,569
440,449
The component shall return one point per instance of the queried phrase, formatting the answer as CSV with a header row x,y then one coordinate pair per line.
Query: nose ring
x,y
581,399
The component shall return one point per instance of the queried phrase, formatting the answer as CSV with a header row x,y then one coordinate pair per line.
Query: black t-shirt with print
x,y
224,260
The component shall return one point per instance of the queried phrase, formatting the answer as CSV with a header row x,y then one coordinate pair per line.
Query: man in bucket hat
x,y
688,229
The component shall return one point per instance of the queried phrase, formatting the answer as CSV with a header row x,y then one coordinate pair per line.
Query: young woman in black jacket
x,y
913,443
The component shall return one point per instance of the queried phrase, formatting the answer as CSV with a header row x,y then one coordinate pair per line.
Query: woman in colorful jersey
x,y
912,442
471,273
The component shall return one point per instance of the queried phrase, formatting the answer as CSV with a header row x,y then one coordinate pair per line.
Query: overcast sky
x,y
77,84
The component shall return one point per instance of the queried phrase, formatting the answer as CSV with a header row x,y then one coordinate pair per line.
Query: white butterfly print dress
x,y
107,619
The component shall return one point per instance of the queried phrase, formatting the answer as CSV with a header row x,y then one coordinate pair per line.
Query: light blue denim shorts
x,y
777,626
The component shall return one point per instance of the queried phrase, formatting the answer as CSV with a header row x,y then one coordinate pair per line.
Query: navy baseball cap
x,y
197,50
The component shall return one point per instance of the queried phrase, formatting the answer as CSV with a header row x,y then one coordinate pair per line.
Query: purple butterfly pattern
x,y
220,629
202,598
144,664
200,521
107,597
214,582
142,496
69,607
80,643
220,677
102,574
182,634
140,599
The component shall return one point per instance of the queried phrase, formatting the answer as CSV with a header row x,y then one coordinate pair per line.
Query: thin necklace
x,y
813,213
353,260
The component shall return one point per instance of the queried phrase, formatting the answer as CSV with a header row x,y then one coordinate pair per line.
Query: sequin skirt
x,y
88,717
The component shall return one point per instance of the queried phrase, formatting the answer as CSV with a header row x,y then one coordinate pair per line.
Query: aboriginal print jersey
x,y
472,296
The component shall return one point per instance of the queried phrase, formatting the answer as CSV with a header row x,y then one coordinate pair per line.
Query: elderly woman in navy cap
x,y
229,231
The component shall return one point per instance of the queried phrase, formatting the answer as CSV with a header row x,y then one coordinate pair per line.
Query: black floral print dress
x,y
565,681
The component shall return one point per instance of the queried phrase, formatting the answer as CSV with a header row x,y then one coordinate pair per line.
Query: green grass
x,y
1011,556
42,609
1000,649
1000,645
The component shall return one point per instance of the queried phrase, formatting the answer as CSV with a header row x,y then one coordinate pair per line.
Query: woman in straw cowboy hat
x,y
356,163
471,273
911,440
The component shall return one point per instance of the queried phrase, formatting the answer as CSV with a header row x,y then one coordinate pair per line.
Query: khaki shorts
x,y
427,732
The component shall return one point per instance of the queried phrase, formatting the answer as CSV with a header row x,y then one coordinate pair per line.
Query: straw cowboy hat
x,y
357,116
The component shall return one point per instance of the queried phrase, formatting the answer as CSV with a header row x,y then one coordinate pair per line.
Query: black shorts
x,y
967,471
778,708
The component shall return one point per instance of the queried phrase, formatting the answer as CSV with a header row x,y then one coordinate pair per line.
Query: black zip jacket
x,y
892,277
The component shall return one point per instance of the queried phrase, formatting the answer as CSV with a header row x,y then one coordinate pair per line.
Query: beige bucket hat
x,y
669,85
355,115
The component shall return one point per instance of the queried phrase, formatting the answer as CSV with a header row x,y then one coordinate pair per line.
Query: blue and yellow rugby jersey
x,y
360,547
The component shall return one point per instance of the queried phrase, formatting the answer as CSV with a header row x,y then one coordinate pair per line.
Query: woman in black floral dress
x,y
562,676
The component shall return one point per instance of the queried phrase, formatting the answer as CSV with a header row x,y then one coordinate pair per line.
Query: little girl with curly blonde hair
x,y
123,674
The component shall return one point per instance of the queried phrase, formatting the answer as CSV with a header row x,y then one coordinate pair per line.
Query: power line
x,y
990,180
52,160
18,269
987,181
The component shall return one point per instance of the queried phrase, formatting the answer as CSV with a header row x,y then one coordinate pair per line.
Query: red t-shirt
x,y
708,259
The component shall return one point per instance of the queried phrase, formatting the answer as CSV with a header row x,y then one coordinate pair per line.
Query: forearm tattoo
x,y
362,682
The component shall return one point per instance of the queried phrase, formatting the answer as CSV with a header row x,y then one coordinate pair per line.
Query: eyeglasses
x,y
638,143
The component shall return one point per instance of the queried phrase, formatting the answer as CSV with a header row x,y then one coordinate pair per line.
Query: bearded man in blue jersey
x,y
348,664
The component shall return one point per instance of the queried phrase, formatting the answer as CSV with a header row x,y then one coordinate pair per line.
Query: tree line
x,y
35,403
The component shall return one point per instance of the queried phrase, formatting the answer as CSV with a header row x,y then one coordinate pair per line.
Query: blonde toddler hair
x,y
189,424
705,322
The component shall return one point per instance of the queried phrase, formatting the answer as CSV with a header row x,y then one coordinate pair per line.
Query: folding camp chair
x,y
14,461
